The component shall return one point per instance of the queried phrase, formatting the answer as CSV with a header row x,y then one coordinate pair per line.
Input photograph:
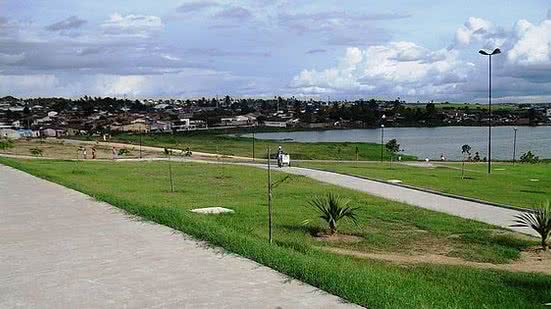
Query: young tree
x,y
393,147
466,151
271,186
529,157
168,152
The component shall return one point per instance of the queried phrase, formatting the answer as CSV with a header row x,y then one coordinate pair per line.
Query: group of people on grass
x,y
83,152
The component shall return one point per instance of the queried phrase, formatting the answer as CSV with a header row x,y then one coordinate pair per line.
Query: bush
x,y
529,157
6,144
36,152
124,152
332,208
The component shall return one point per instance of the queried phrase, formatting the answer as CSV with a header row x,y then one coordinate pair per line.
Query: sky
x,y
412,49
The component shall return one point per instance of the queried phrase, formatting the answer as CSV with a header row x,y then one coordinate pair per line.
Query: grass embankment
x,y
215,142
522,185
384,226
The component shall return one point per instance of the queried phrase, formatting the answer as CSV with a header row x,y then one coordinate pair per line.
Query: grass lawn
x,y
142,188
522,185
241,146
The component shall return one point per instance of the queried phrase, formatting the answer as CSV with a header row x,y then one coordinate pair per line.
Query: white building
x,y
9,133
238,121
187,124
161,126
275,124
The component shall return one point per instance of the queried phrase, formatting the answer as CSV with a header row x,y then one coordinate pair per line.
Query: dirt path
x,y
530,261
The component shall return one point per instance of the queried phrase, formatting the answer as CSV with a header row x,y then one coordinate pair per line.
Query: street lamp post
x,y
141,145
490,54
514,145
382,136
254,131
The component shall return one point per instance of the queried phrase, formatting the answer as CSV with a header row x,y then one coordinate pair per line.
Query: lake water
x,y
432,142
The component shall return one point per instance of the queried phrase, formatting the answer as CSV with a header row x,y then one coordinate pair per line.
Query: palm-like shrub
x,y
539,221
332,208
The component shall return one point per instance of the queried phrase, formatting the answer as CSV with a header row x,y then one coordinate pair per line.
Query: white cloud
x,y
170,57
195,6
113,85
68,23
474,29
184,82
532,43
132,25
11,58
28,85
397,68
408,70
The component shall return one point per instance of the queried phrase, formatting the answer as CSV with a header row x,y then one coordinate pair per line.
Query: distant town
x,y
55,117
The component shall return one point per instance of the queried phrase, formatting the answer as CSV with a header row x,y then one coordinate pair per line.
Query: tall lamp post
x,y
514,145
254,131
490,54
382,136
141,145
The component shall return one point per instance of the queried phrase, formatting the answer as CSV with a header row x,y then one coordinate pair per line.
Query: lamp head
x,y
494,52
384,116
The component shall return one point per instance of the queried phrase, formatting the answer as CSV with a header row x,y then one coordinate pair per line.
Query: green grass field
x,y
241,146
522,185
384,226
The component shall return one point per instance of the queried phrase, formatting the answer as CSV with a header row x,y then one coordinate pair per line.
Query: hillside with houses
x,y
55,117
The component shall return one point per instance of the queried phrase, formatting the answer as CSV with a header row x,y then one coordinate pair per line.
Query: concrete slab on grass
x,y
212,210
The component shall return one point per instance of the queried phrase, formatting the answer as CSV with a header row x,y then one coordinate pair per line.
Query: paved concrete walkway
x,y
466,209
61,249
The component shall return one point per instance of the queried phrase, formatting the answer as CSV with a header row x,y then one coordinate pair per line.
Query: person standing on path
x,y
279,156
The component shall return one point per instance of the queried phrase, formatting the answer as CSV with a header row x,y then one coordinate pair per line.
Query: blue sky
x,y
416,50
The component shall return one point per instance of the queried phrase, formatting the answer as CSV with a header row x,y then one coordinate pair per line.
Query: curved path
x,y
61,249
462,208
480,211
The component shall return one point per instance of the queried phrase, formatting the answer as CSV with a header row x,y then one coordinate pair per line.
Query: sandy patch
x,y
336,237
531,260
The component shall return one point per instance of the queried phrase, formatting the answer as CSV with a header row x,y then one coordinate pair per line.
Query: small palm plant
x,y
539,221
332,208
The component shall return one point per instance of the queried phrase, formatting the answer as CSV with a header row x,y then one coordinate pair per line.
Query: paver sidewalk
x,y
61,249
